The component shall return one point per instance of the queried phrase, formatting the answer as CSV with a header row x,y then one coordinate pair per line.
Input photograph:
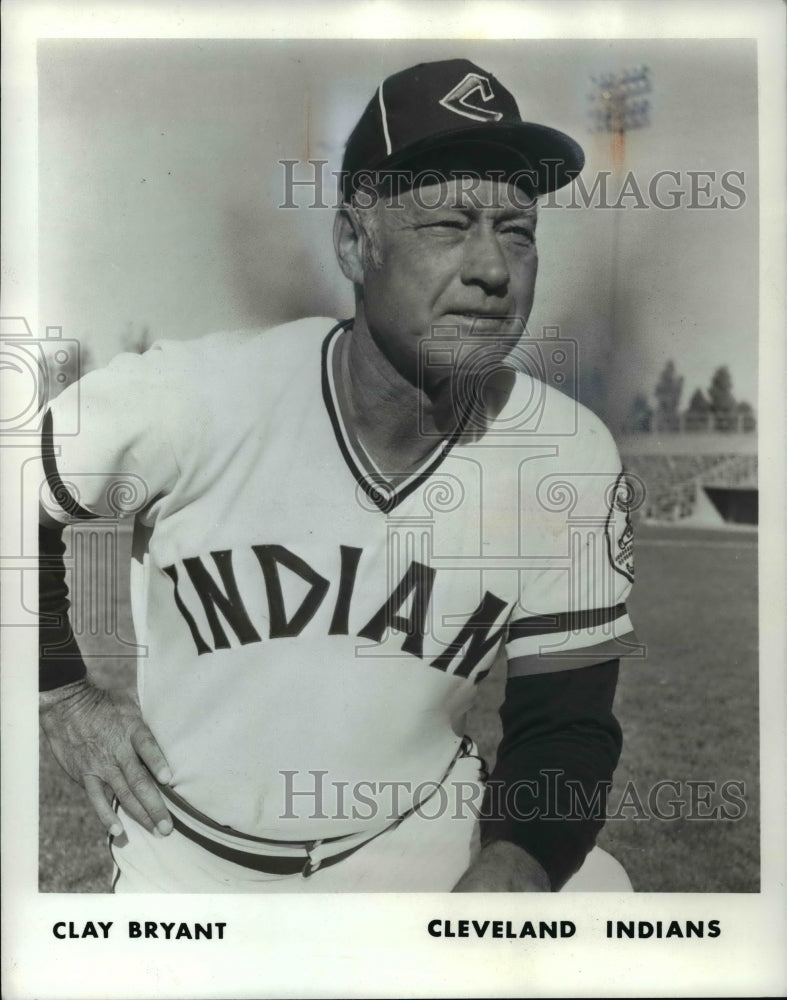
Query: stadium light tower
x,y
619,104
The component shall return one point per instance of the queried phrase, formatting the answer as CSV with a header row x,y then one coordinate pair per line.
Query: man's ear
x,y
348,242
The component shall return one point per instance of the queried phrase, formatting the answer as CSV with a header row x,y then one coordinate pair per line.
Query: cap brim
x,y
554,158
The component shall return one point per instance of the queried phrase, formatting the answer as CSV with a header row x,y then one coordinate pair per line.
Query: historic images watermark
x,y
550,796
310,184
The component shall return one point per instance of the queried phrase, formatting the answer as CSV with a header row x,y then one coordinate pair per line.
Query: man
x,y
338,525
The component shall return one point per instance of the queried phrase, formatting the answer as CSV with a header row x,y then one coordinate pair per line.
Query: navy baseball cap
x,y
435,106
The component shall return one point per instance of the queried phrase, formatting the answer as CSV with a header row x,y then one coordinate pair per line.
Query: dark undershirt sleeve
x,y
59,659
554,722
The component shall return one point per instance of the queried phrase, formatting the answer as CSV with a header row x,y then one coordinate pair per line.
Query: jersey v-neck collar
x,y
385,492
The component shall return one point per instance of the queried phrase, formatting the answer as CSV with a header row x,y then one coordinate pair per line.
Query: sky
x,y
160,187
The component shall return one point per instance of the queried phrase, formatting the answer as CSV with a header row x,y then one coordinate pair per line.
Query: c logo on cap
x,y
456,100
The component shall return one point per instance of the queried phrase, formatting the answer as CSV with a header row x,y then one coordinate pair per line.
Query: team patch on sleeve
x,y
618,529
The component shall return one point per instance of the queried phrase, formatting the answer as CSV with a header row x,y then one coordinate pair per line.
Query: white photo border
x,y
378,945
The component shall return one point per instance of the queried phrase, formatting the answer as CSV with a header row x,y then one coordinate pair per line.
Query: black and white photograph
x,y
383,502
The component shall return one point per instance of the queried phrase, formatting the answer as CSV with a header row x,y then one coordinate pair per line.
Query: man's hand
x,y
102,743
503,867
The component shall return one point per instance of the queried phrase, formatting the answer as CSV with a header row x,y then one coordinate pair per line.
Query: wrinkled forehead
x,y
467,176
470,194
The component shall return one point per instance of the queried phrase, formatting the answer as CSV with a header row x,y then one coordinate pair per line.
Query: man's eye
x,y
446,224
519,232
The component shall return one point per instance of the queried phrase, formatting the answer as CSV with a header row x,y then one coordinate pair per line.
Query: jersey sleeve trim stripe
x,y
569,639
60,492
564,621
615,648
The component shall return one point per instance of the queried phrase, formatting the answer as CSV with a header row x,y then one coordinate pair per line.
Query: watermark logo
x,y
480,361
34,370
549,795
310,184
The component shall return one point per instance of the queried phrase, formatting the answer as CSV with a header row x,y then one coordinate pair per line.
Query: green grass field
x,y
688,711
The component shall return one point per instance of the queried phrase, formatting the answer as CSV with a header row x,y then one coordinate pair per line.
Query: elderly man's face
x,y
469,263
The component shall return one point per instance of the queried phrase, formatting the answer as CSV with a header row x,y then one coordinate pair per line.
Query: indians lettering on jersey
x,y
481,632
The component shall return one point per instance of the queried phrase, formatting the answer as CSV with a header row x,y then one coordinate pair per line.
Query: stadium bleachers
x,y
672,482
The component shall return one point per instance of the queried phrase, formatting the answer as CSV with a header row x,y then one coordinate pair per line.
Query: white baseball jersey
x,y
301,611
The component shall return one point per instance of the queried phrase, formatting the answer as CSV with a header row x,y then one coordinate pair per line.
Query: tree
x,y
640,417
697,415
747,421
722,402
668,390
592,390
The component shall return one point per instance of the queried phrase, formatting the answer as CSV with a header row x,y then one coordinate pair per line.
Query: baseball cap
x,y
436,105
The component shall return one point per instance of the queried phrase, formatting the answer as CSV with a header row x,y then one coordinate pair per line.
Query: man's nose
x,y
484,263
